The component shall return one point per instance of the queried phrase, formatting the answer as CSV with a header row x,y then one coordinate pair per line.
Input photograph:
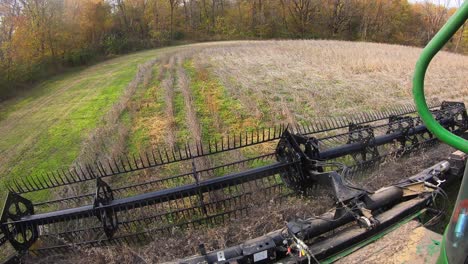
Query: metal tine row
x,y
78,225
182,216
236,196
231,203
137,237
220,218
89,197
147,235
66,234
215,219
356,168
52,251
234,167
164,211
172,198
155,158
172,181
332,123
210,194
361,167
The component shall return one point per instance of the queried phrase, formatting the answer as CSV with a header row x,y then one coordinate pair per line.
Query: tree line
x,y
39,38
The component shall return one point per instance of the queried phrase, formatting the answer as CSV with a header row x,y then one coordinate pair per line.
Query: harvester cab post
x,y
455,243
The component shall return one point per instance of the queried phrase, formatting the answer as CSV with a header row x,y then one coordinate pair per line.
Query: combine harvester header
x,y
298,160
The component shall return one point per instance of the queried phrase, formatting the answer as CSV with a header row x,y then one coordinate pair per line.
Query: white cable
x,y
302,246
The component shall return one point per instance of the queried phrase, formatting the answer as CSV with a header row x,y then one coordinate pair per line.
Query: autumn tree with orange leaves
x,y
39,38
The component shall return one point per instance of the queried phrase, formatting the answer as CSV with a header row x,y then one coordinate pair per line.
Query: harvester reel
x,y
21,236
309,161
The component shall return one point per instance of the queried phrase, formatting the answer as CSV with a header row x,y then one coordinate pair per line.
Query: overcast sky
x,y
451,3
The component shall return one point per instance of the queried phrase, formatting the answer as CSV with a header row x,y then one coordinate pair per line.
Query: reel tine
x,y
82,176
37,183
135,162
153,157
18,186
110,167
141,161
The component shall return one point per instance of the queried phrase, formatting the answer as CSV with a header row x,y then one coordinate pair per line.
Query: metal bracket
x,y
366,219
457,111
364,135
342,193
21,236
259,249
107,216
414,189
457,162
289,151
220,255
403,124
304,176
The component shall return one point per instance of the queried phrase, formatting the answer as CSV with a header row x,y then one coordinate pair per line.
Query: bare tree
x,y
435,16
172,4
301,12
9,10
341,13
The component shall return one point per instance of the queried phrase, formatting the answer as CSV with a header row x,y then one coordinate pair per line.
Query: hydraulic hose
x,y
431,49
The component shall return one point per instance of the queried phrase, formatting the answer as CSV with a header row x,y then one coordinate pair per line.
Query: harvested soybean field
x,y
201,92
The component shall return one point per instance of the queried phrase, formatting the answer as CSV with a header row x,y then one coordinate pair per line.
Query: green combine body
x,y
455,242
454,247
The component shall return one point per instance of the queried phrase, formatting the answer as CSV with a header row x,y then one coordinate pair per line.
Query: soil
x,y
410,243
